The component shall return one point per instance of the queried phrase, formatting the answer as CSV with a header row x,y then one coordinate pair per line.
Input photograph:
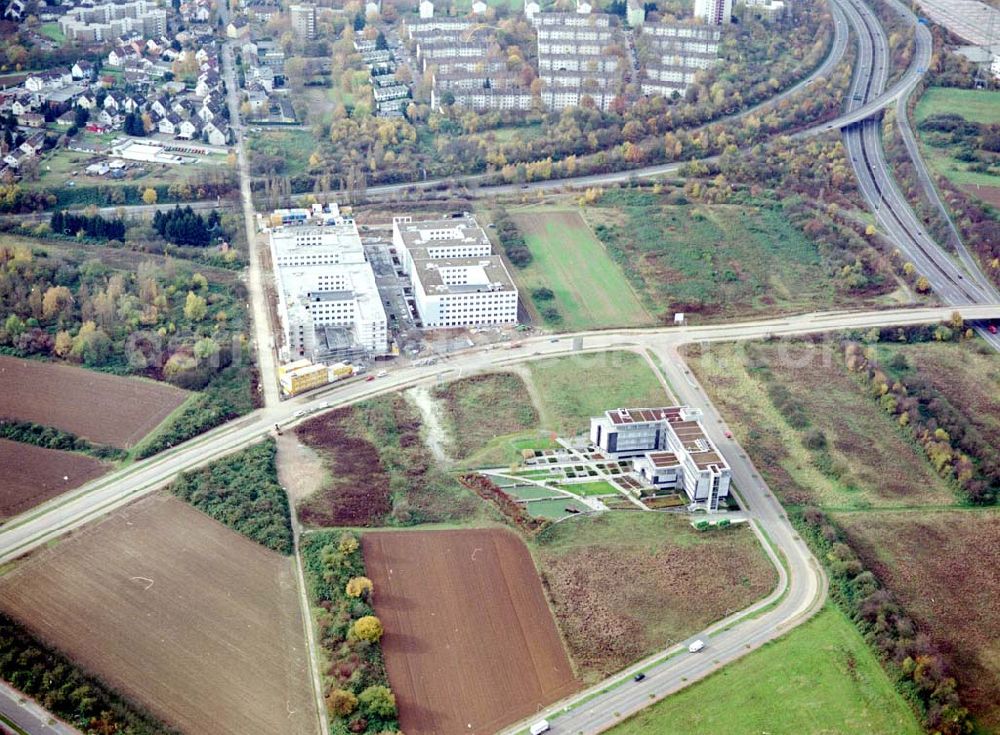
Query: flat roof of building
x,y
482,274
663,459
643,415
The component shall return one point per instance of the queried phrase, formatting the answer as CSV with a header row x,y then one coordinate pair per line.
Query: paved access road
x,y
28,715
803,582
54,518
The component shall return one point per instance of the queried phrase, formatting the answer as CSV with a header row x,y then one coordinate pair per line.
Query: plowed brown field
x,y
102,408
32,475
194,622
470,644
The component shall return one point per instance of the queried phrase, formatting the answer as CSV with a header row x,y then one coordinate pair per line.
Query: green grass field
x,y
590,289
713,260
293,146
981,106
599,487
572,389
820,679
975,105
554,509
52,31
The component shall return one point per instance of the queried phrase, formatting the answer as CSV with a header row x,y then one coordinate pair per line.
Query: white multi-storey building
x,y
111,20
457,280
714,12
669,449
328,300
303,20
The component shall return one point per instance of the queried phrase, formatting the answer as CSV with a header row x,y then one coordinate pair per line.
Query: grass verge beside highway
x,y
820,678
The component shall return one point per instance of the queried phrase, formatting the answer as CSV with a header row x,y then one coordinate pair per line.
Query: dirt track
x,y
32,475
102,408
470,644
183,616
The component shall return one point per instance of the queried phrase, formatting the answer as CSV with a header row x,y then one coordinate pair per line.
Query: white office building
x,y
457,280
669,449
328,301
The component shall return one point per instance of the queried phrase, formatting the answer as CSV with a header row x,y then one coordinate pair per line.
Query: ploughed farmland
x,y
32,475
102,408
192,621
470,645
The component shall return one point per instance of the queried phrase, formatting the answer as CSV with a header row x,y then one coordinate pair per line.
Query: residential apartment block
x,y
457,280
672,55
669,449
576,59
112,20
328,301
714,12
303,20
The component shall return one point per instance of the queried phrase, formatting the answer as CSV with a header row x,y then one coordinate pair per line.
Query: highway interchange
x,y
801,588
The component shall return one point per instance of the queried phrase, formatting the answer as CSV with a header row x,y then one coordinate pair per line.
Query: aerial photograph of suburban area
x,y
460,367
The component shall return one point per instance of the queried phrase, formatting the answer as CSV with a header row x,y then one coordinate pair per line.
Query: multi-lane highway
x,y
949,280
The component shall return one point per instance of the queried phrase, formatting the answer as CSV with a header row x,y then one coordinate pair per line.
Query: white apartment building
x,y
669,449
457,280
303,20
111,20
328,299
714,12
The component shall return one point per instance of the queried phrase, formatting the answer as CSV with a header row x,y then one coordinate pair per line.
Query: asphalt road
x,y
863,142
56,517
28,715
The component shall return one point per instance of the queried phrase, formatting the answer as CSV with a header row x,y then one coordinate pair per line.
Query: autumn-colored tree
x,y
149,196
56,301
348,543
195,307
64,343
359,587
923,285
368,628
341,702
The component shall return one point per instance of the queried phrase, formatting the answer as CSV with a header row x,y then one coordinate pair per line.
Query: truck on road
x,y
539,727
696,646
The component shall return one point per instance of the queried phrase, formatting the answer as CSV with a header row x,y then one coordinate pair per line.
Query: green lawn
x,y
293,146
729,261
599,487
820,679
980,106
52,31
574,388
590,290
975,105
554,509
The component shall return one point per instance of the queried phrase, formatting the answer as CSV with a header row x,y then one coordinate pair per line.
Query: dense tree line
x,y
358,697
514,246
52,438
228,394
66,691
953,445
96,226
916,665
242,491
184,226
